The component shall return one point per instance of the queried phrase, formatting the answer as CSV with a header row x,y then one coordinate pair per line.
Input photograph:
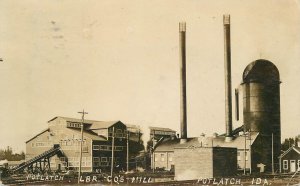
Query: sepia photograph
x,y
137,92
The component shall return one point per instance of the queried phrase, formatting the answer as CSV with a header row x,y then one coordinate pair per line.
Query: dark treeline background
x,y
10,156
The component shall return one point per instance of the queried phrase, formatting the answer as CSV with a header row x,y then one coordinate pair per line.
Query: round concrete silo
x,y
261,109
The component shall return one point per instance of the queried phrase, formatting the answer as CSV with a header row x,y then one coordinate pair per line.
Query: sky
x,y
119,60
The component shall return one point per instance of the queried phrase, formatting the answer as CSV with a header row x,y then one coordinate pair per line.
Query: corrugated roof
x,y
219,141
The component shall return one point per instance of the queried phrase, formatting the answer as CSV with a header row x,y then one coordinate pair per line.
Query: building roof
x,y
45,130
296,149
133,128
73,120
94,123
168,145
261,70
162,129
89,134
102,124
219,141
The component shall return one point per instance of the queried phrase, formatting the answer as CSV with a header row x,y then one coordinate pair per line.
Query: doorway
x,y
293,166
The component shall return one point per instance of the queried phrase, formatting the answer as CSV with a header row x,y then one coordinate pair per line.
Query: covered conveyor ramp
x,y
40,163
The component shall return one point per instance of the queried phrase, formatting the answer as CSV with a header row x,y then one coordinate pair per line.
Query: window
x,y
239,156
246,156
119,131
69,143
96,147
170,157
103,159
96,159
85,149
103,147
162,157
285,164
118,148
62,159
155,157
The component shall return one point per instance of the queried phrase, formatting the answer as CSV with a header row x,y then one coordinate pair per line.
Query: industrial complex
x,y
254,147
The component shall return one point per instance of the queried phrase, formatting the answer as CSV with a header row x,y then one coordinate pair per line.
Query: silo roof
x,y
261,70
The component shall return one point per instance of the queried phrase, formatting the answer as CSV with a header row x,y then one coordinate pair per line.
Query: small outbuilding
x,y
194,162
289,161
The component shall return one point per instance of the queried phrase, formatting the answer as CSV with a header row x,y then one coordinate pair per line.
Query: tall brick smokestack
x,y
182,61
227,65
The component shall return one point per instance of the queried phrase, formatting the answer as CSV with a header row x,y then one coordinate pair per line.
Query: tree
x,y
289,142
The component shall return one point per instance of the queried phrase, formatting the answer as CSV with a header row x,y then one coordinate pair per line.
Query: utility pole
x,y
112,152
81,141
245,154
127,157
272,153
153,155
250,156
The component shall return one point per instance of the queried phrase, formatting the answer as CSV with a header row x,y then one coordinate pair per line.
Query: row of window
x,y
41,144
104,159
163,133
86,161
162,157
107,147
285,164
117,135
74,161
71,142
75,125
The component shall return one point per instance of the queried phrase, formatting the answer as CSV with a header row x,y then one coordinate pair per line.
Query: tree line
x,y
7,154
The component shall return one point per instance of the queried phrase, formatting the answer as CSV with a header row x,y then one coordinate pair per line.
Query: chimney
x,y
227,64
182,58
237,110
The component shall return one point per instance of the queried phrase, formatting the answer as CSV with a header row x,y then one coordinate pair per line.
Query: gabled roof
x,y
45,130
296,149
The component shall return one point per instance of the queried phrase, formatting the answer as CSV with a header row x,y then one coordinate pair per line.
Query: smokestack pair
x,y
227,64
